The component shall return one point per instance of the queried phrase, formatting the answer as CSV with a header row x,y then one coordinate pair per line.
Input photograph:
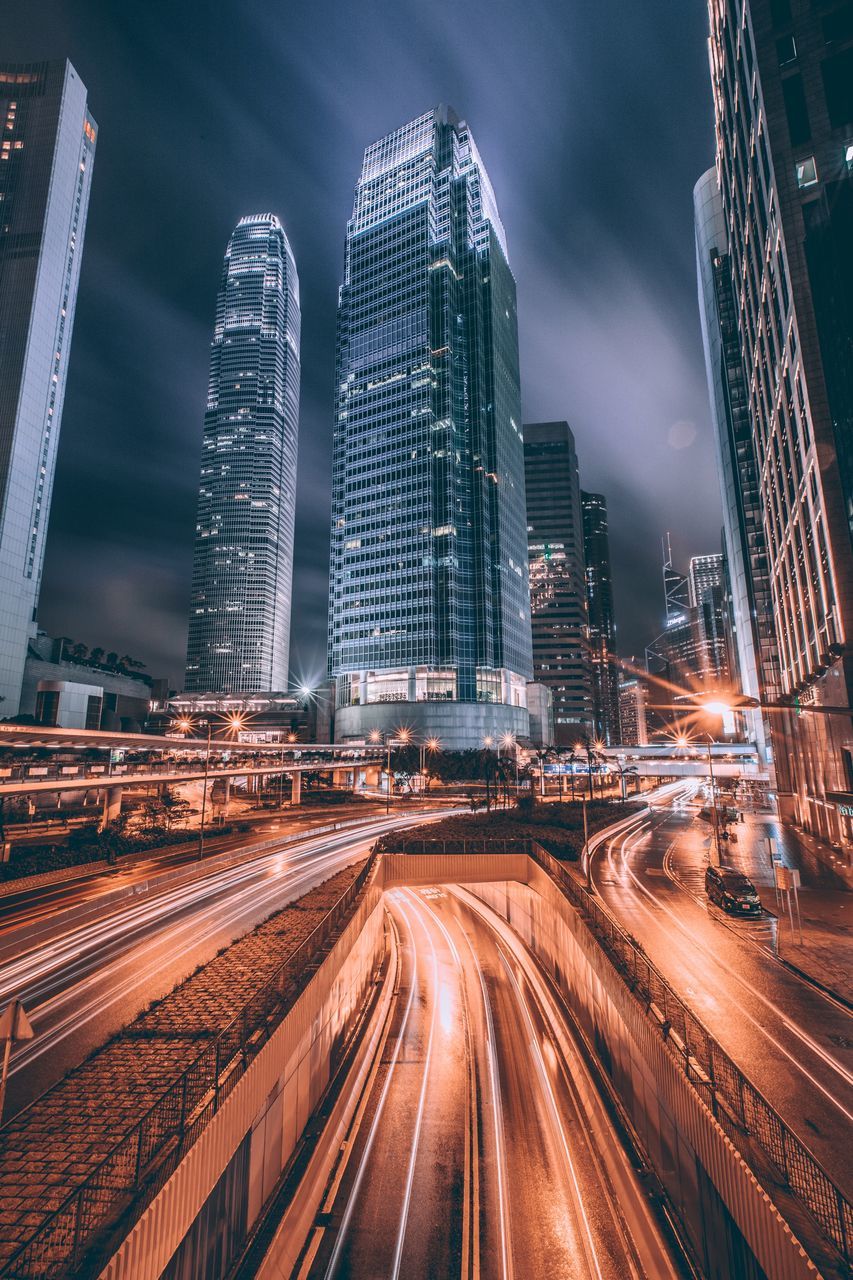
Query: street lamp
x,y
432,745
683,741
234,722
508,740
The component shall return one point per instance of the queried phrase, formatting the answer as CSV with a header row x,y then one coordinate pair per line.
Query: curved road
x,y
84,982
482,1148
793,1041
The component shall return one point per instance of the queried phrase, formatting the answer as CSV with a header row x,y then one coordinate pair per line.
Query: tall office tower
x,y
239,632
754,651
632,712
707,577
602,627
429,618
782,76
47,152
558,595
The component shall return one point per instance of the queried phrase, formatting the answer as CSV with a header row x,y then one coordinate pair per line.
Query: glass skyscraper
x,y
602,625
429,620
558,593
754,649
239,631
47,152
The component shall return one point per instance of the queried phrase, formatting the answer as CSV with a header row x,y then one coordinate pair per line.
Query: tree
x,y
96,655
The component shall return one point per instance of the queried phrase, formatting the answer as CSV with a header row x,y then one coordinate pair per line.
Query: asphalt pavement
x,y
483,1148
82,982
793,1040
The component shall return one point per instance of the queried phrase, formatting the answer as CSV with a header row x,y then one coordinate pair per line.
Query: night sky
x,y
594,121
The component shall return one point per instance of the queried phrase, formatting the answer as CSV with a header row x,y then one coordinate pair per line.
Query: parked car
x,y
732,891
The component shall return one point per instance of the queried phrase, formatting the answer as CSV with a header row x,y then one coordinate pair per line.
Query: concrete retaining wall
x,y
729,1221
251,1139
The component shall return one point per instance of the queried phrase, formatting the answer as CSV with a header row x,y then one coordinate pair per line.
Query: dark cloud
x,y
594,122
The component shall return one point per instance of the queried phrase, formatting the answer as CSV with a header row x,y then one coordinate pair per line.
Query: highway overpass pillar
x,y
296,788
111,806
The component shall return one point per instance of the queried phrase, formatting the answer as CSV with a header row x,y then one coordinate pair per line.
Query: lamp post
x,y
508,740
204,792
683,741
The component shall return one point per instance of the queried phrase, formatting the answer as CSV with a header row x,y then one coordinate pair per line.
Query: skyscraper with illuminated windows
x,y
429,620
782,77
239,630
47,153
558,588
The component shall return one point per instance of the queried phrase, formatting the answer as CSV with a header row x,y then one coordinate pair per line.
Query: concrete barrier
x,y
208,1206
728,1219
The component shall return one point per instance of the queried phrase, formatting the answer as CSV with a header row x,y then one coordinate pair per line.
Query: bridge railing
x,y
143,1160
739,1107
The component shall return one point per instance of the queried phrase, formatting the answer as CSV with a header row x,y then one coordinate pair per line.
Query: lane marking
x,y
377,1115
416,1136
807,1040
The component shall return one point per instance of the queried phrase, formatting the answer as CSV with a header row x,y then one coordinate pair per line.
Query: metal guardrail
x,y
140,1164
739,1107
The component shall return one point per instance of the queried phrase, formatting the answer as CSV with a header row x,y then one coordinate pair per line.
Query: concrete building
x,y
76,693
429,618
239,629
707,576
558,592
754,650
47,153
601,621
263,717
632,713
782,78
540,709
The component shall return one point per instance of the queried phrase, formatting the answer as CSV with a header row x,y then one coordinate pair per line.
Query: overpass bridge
x,y
668,760
109,763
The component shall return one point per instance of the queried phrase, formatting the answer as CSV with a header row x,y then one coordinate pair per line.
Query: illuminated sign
x,y
846,810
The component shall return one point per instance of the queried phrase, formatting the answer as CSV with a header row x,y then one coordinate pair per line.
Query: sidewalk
x,y
826,909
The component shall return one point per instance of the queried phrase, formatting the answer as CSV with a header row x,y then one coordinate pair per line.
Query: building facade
x,y
782,78
558,591
47,153
239,629
429,618
708,576
753,649
632,713
601,622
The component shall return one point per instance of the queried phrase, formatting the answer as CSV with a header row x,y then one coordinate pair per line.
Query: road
x,y
792,1040
85,982
482,1146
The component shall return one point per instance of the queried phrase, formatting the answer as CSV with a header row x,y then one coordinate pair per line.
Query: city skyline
x,y
572,356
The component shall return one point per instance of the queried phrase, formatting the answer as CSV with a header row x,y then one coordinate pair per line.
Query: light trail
x,y
497,1116
377,1115
410,1172
696,944
554,1114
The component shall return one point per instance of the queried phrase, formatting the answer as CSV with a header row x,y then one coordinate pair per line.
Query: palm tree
x,y
592,757
572,758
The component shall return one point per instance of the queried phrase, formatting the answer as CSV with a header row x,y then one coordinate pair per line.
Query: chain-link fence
x,y
145,1158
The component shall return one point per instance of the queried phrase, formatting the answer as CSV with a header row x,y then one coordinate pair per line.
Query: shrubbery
x,y
87,844
557,827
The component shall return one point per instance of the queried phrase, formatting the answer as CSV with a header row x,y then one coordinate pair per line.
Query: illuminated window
x,y
806,172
